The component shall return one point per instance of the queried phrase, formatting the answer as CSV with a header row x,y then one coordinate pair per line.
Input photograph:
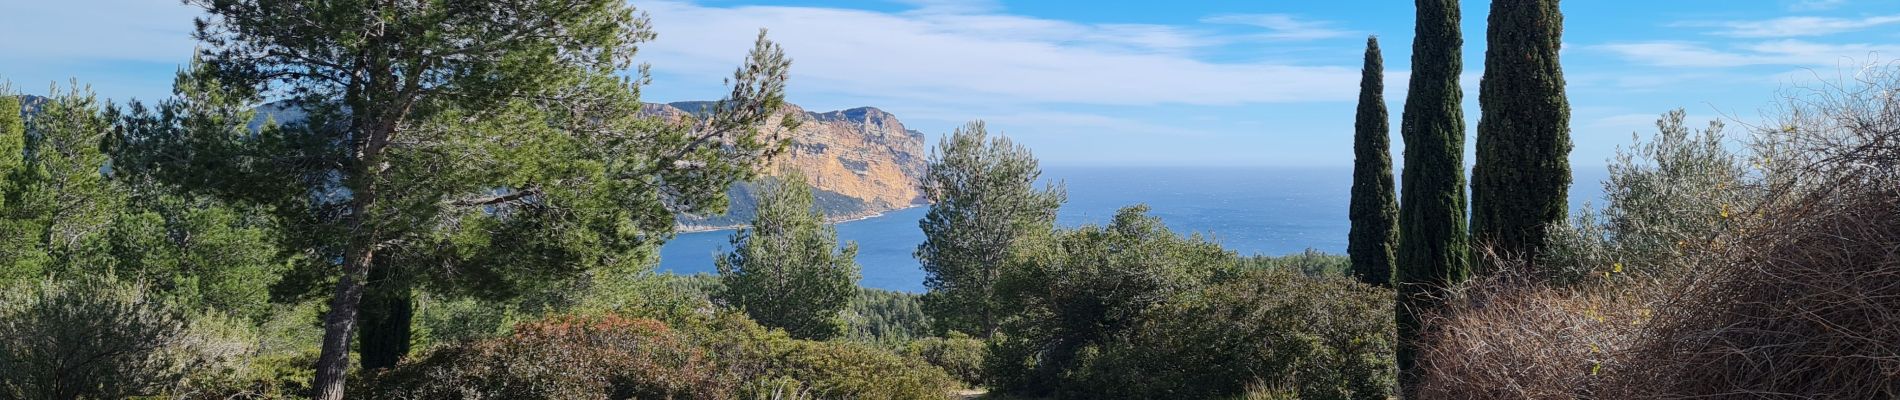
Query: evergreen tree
x,y
62,204
1520,184
77,206
1375,208
484,146
1432,244
984,211
786,270
20,255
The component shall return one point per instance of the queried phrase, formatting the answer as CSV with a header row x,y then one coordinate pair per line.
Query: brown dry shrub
x,y
1800,299
1504,338
1816,314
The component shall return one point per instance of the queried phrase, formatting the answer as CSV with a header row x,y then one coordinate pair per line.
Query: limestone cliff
x,y
861,161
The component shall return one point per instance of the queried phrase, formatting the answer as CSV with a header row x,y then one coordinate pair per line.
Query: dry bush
x,y
1795,295
1811,306
1512,336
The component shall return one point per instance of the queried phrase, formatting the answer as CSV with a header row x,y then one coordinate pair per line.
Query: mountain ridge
x,y
861,162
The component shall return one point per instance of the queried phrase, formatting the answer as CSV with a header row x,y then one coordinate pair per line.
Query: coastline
x,y
678,229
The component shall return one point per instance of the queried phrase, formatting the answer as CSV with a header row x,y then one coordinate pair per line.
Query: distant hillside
x,y
862,162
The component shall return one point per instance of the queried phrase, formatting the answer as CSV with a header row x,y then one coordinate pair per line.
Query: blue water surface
x,y
1254,210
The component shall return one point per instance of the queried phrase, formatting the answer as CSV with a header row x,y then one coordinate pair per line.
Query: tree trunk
x,y
340,325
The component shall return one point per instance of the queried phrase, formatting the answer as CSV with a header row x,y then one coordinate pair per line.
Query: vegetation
x,y
449,129
477,187
958,354
1521,183
786,270
1432,244
1375,206
985,213
1122,311
886,318
1311,262
611,356
1712,261
97,338
1316,338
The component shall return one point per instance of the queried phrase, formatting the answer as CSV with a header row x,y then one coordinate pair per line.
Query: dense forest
x,y
468,204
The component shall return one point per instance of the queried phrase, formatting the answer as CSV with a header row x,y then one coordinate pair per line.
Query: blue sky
x,y
1267,83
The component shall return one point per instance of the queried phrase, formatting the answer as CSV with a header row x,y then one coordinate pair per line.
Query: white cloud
x,y
1786,27
1789,52
981,58
1281,26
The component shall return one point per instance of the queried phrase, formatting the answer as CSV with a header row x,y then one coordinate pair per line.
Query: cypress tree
x,y
1432,242
387,318
1375,208
1521,181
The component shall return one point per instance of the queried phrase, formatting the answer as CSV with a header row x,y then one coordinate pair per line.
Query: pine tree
x,y
985,210
1432,244
786,270
1375,208
1521,181
485,146
21,255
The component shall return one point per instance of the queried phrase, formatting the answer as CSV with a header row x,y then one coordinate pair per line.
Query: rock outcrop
x,y
862,162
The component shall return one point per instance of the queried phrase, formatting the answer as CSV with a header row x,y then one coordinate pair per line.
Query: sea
x,y
1250,210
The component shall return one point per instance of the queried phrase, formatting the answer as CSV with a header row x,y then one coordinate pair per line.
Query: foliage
x,y
77,207
835,370
1375,207
1433,249
1097,286
1317,337
565,357
610,356
1520,184
1679,187
985,211
1777,283
60,204
786,270
1311,262
958,354
449,128
95,338
20,256
886,318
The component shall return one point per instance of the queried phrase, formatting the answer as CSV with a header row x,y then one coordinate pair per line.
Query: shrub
x,y
1319,338
1096,286
608,356
840,370
1668,196
958,354
96,338
565,357
1788,295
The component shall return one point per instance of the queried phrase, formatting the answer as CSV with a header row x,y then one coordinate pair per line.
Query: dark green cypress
x,y
387,318
1432,243
1521,182
1375,207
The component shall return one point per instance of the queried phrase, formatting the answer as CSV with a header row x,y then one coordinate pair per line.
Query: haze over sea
x,y
1250,210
